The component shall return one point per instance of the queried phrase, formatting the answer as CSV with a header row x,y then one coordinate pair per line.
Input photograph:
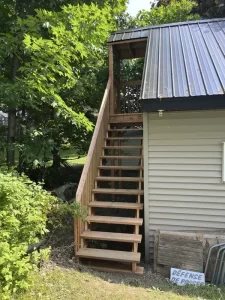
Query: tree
x,y
44,69
205,8
176,11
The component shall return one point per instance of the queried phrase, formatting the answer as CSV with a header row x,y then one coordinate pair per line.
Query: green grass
x,y
72,157
69,284
69,154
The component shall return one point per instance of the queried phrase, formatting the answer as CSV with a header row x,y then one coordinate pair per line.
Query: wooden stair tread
x,y
122,157
112,255
108,178
112,236
118,191
112,267
126,129
123,147
125,138
129,168
114,220
124,205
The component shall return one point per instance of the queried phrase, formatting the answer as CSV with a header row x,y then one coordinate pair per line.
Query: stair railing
x,y
90,170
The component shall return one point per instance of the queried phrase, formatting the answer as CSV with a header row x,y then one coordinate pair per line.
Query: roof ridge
x,y
168,25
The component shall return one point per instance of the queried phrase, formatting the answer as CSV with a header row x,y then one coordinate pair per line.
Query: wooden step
x,y
122,205
123,147
111,255
124,138
125,168
130,179
125,129
114,220
111,236
121,157
118,191
113,267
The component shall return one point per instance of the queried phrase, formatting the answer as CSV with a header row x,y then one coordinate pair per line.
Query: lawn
x,y
69,154
62,283
72,157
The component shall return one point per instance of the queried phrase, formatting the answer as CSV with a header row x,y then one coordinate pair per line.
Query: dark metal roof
x,y
143,32
130,34
185,59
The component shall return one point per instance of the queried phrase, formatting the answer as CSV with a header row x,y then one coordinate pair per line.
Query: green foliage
x,y
23,214
52,56
176,11
63,211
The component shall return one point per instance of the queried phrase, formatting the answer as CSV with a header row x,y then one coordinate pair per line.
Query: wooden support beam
x,y
111,78
131,41
130,83
126,118
130,48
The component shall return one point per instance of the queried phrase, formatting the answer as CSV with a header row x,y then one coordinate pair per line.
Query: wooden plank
x,y
114,220
125,138
112,236
129,41
111,78
127,168
183,250
121,157
122,205
131,179
125,129
131,83
112,267
90,170
122,147
118,191
112,255
126,118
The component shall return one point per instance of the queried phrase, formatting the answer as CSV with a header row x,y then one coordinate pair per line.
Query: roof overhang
x,y
184,104
185,67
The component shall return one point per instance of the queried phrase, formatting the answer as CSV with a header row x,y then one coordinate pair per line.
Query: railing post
x,y
111,78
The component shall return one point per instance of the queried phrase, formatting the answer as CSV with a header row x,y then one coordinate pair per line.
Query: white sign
x,y
182,277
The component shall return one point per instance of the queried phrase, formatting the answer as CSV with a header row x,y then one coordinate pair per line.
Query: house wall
x,y
183,172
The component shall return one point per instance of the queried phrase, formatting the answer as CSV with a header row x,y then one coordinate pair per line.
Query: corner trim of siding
x,y
146,200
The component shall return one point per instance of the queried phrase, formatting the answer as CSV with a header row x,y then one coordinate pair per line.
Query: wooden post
x,y
111,77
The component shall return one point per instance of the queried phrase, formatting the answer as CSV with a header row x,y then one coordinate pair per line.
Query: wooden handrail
x,y
90,170
93,144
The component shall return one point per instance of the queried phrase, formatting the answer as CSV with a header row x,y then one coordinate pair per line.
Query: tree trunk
x,y
12,119
11,137
21,135
56,158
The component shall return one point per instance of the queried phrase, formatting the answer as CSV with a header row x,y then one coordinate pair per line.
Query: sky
x,y
135,5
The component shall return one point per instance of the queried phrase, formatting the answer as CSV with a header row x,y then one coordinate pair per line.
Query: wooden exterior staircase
x,y
111,187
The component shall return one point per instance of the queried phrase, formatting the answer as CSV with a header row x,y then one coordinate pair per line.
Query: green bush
x,y
24,207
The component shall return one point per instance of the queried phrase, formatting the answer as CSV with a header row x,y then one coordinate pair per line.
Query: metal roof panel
x,y
150,80
186,59
179,76
165,88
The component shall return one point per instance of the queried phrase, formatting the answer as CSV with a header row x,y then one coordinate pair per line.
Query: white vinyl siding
x,y
183,172
223,165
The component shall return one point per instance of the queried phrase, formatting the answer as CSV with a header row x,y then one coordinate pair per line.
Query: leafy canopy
x,y
176,11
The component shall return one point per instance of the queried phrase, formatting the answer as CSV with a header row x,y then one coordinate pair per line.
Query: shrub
x,y
24,207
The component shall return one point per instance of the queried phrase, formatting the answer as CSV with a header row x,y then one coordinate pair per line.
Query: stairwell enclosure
x,y
86,185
